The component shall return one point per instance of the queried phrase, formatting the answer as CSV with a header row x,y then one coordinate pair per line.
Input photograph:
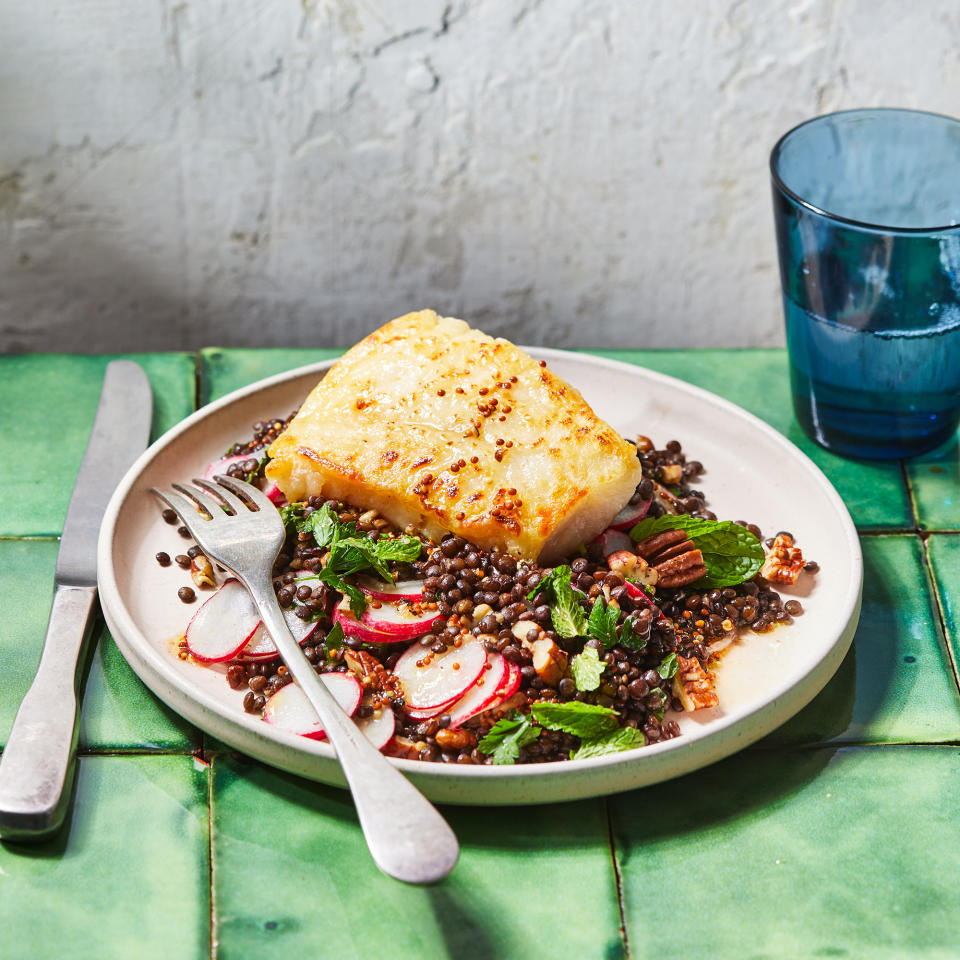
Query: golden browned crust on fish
x,y
443,428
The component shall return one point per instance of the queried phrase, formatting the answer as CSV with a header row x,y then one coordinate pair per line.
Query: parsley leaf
x,y
623,738
629,636
668,666
587,668
731,553
291,514
602,622
581,719
507,736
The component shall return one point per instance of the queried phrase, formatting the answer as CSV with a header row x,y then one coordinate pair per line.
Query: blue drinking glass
x,y
867,212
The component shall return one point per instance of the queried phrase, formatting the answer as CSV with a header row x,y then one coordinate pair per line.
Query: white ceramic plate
x,y
753,473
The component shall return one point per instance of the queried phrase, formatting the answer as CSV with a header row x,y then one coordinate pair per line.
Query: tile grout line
x,y
197,380
932,585
210,884
618,878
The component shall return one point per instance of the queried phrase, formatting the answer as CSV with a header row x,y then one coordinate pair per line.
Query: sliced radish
x,y
401,590
220,629
390,623
510,685
630,515
275,494
484,693
261,646
636,592
429,713
221,466
429,679
290,709
378,728
610,541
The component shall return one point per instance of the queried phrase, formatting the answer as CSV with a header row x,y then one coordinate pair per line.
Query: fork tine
x,y
221,493
246,491
211,507
182,505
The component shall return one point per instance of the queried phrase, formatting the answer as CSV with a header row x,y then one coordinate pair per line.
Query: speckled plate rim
x,y
538,783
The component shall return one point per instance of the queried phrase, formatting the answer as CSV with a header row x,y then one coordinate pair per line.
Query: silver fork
x,y
407,837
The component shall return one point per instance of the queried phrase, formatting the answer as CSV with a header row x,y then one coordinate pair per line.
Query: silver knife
x,y
37,764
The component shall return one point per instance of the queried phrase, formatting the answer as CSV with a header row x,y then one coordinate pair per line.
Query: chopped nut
x,y
784,561
480,611
458,739
644,444
201,572
549,661
624,562
521,628
693,686
671,473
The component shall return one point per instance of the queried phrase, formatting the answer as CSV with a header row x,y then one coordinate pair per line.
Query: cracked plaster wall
x,y
177,173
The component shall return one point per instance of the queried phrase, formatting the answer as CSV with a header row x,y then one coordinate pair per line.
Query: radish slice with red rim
x,y
610,541
220,629
401,590
224,464
261,646
483,694
630,515
510,684
379,727
402,628
290,709
431,679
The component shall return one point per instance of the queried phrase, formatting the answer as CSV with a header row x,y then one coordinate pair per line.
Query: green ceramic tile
x,y
758,381
935,481
52,400
223,370
808,854
128,875
896,684
292,877
118,711
944,553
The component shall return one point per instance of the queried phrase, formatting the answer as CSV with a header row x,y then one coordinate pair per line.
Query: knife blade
x,y
37,763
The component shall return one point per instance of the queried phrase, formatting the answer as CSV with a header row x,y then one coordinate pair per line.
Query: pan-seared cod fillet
x,y
443,428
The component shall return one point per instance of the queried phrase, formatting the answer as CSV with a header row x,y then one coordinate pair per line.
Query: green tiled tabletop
x,y
836,836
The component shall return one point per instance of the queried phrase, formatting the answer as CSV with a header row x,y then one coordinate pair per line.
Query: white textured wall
x,y
261,172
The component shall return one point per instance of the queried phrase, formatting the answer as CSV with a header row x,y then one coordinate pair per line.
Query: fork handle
x,y
406,835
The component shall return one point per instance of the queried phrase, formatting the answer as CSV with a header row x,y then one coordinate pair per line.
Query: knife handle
x,y
37,764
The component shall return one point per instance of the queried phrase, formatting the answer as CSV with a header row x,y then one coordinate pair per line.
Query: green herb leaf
x,y
668,666
507,736
658,713
325,526
629,636
587,668
258,469
623,738
602,622
291,514
358,601
731,553
398,549
581,719
334,639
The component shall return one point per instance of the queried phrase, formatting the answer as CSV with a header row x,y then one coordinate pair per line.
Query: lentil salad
x,y
605,658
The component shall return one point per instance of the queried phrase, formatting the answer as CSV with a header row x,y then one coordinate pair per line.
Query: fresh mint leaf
x,y
587,668
658,713
358,601
629,636
668,666
581,719
623,738
258,469
546,582
507,736
731,553
602,622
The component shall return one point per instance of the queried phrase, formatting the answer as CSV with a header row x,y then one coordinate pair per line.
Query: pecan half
x,y
693,686
674,556
784,562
